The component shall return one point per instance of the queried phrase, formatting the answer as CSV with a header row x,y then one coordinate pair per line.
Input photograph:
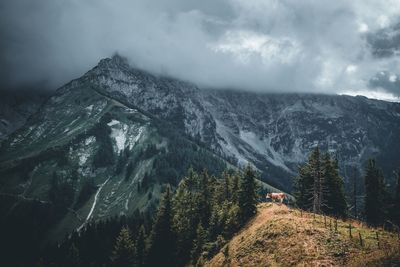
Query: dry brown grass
x,y
279,236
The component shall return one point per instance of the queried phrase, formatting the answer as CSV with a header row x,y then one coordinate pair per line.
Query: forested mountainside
x,y
84,157
108,143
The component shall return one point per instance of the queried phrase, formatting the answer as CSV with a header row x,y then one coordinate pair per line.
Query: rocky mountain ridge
x,y
273,131
107,143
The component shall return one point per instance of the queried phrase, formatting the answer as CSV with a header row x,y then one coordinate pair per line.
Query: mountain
x,y
107,143
280,236
275,132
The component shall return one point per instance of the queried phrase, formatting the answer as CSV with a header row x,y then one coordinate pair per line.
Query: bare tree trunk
x,y
317,201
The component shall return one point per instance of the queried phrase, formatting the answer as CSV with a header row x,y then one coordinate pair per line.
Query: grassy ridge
x,y
279,236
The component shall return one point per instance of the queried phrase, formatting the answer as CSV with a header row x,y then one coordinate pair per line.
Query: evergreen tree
x,y
162,249
319,186
374,190
335,199
234,188
232,223
190,208
204,199
303,188
226,178
318,178
354,197
124,250
247,194
396,206
140,247
198,243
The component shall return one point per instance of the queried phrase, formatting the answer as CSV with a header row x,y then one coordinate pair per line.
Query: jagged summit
x,y
116,61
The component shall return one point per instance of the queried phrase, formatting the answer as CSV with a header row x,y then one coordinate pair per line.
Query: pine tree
x,y
234,188
374,189
316,173
124,250
198,243
303,188
354,199
162,250
396,208
204,196
309,184
335,198
226,178
192,206
247,194
319,186
232,223
140,247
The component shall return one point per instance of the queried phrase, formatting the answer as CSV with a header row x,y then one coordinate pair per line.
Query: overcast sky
x,y
339,46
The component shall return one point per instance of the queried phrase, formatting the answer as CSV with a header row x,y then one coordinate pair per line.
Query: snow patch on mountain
x,y
125,135
112,123
134,138
89,108
119,132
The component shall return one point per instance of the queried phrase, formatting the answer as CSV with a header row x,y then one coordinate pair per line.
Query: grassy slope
x,y
279,236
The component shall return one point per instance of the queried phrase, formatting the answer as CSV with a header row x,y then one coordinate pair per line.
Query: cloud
x,y
385,42
387,81
260,45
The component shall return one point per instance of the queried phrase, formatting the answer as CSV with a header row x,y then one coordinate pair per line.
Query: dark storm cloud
x,y
385,42
264,45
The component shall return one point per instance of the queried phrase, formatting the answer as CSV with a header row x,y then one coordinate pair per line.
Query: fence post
x,y
351,236
325,220
335,224
361,241
377,238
